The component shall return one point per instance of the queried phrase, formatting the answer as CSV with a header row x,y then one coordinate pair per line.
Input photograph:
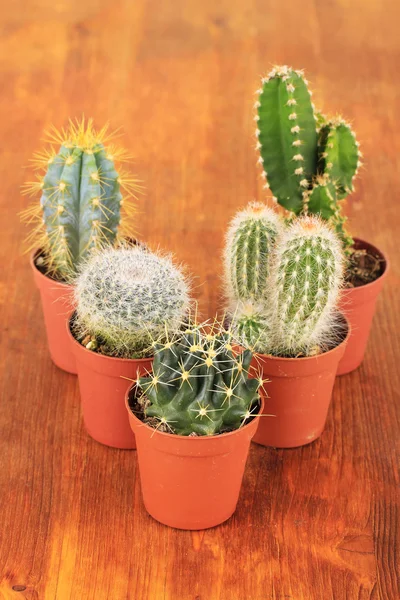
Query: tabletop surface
x,y
316,523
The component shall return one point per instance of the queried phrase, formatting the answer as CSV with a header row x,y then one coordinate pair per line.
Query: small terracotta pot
x,y
191,482
103,387
298,395
358,304
57,303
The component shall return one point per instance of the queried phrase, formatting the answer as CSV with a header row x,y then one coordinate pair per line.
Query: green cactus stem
x,y
81,200
199,386
287,136
249,240
126,297
306,276
339,155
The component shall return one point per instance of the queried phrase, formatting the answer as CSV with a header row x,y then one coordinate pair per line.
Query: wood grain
x,y
317,523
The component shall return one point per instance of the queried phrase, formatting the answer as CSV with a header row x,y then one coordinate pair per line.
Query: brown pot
x,y
358,304
191,482
103,387
298,395
57,303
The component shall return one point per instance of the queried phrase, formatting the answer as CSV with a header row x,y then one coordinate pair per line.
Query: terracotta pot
x,y
103,388
358,304
191,482
57,303
298,395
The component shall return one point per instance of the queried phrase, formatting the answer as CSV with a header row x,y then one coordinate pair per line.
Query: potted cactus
x,y
194,416
309,162
125,298
80,210
283,284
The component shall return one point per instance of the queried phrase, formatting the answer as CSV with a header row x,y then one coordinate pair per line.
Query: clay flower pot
x,y
57,303
299,394
358,304
103,388
190,482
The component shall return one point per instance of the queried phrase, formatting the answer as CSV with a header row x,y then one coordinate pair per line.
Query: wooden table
x,y
316,523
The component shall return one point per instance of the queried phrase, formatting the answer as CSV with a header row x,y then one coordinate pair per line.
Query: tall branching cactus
x,y
306,277
81,201
309,162
126,297
198,385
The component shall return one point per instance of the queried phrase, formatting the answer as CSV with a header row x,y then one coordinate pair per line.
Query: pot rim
x,y
102,356
308,359
381,276
41,275
203,438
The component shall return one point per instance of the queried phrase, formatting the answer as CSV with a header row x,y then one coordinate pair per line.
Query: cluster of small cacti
x,y
309,161
81,201
126,297
198,385
301,282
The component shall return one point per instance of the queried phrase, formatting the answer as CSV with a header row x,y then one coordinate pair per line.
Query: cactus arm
x,y
287,136
322,199
339,155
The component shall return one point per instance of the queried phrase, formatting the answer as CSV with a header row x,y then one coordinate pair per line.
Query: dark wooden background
x,y
317,523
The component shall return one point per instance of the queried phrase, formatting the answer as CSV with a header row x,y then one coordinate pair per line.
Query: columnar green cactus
x,y
287,136
300,149
126,297
81,202
198,385
249,240
306,276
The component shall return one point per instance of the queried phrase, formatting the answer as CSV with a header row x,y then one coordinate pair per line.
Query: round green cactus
x,y
126,297
81,202
250,238
198,385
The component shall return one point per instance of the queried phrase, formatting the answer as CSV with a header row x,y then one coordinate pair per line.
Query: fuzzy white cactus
x,y
249,240
304,285
125,298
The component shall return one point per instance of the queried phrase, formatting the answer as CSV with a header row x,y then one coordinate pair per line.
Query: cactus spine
x,y
306,276
249,240
81,201
300,148
198,386
126,297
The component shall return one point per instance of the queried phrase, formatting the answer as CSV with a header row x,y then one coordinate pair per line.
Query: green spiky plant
x,y
297,312
309,161
81,205
125,298
198,385
249,240
306,277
